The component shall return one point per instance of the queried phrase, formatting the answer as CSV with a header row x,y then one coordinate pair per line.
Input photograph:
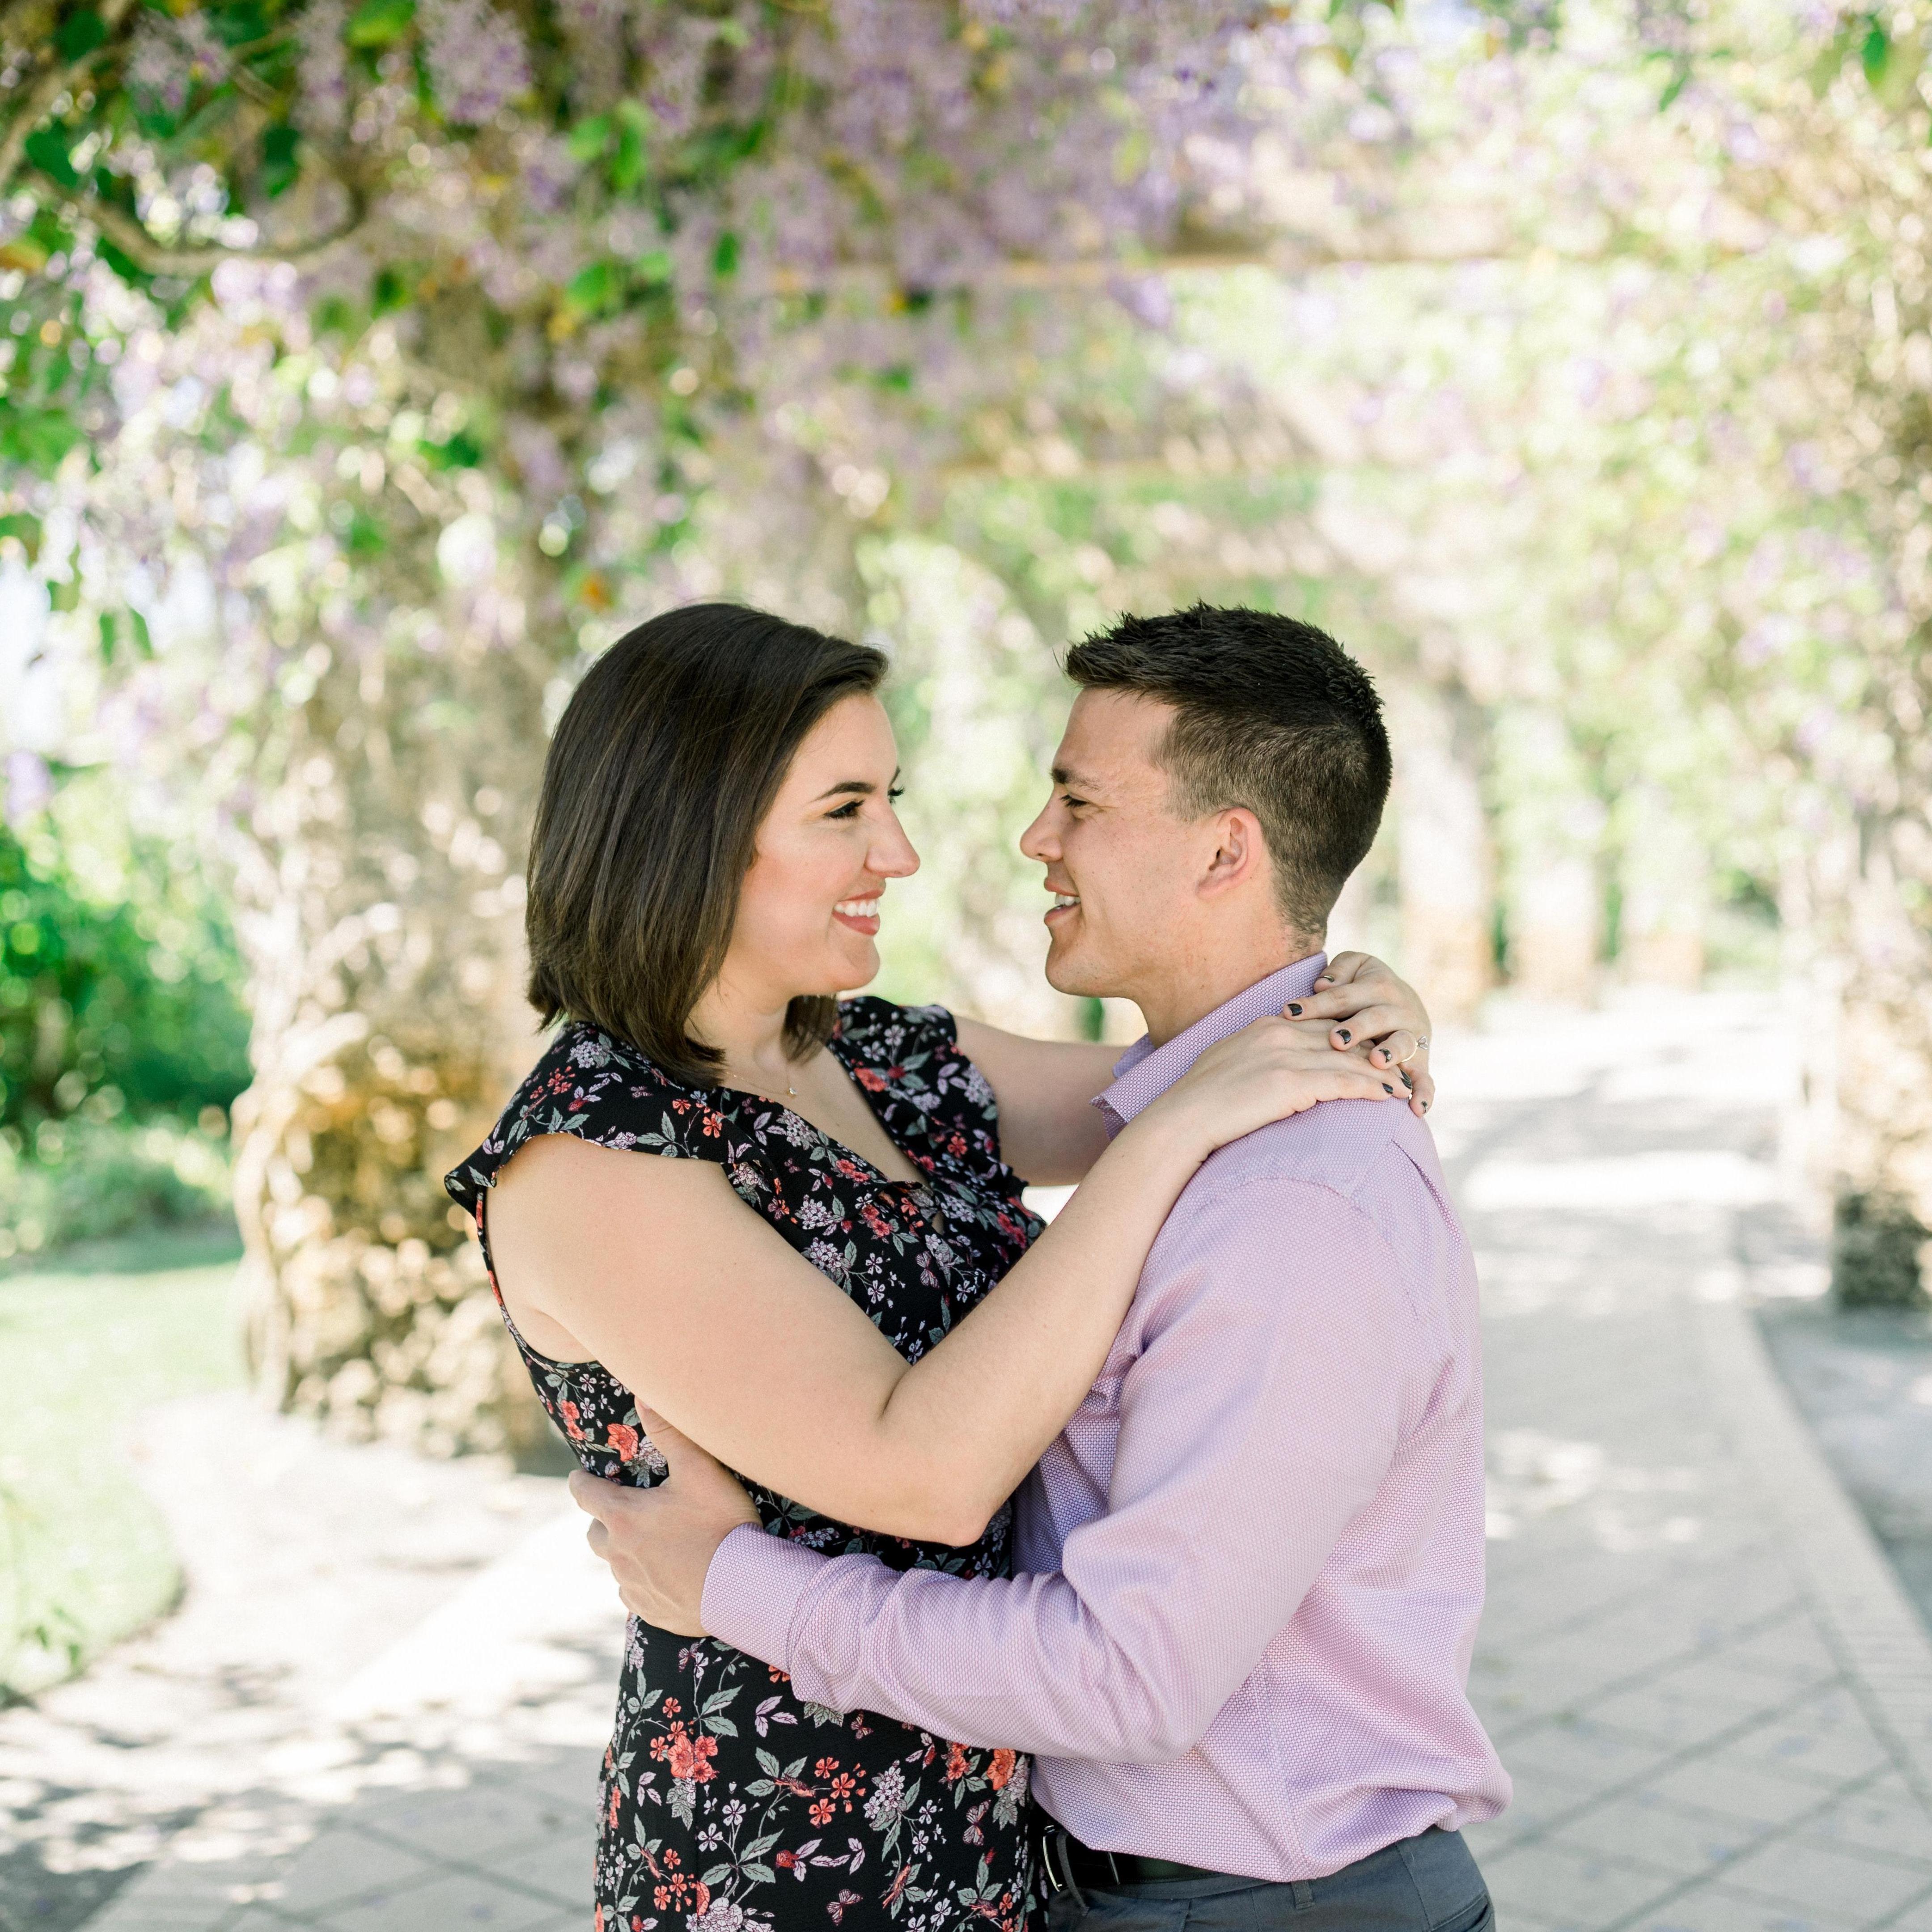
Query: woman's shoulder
x,y
876,1033
601,1090
913,1052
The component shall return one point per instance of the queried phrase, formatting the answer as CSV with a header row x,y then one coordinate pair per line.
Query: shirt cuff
x,y
751,1591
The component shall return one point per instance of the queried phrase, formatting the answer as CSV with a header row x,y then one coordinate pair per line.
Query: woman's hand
x,y
1268,1071
1366,1005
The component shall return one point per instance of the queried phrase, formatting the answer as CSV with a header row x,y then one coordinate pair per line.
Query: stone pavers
x,y
1693,1660
1707,1685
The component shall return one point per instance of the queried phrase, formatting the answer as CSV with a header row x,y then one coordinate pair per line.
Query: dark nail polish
x,y
1345,1035
1388,1090
1294,1007
1408,1083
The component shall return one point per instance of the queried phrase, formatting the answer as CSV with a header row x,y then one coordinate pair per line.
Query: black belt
x,y
1071,1866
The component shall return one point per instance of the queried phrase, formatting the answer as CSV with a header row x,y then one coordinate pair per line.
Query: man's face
x,y
1123,866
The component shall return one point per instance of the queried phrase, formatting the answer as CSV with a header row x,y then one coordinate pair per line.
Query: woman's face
x,y
809,907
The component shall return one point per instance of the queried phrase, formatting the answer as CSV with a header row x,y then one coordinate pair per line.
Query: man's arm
x,y
1282,1361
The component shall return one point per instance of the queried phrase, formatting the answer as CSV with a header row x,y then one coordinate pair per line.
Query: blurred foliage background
x,y
366,369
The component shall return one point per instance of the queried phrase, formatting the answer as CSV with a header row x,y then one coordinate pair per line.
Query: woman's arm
x,y
655,1268
1049,1131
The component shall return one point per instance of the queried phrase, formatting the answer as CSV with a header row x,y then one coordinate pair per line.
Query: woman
x,y
886,1342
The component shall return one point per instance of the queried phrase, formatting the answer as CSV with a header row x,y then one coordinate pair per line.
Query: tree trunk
x,y
1665,873
1553,829
1444,868
383,926
1880,1165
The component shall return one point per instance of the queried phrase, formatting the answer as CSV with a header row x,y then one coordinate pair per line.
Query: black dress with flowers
x,y
728,1803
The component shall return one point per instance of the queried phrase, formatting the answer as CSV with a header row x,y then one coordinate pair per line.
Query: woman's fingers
x,y
1345,966
1397,1050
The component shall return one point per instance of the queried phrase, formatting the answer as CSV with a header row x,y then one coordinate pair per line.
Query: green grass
x,y
89,1342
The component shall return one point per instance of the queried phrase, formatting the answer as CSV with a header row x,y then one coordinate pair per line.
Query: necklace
x,y
791,1091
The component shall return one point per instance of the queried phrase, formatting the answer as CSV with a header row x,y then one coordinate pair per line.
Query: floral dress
x,y
728,1803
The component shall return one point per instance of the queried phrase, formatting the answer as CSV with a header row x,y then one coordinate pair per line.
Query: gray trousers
x,y
1428,1884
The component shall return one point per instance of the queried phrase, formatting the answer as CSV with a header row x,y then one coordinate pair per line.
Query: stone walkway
x,y
1715,1702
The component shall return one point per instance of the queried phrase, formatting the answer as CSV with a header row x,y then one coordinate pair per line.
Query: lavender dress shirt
x,y
1252,1564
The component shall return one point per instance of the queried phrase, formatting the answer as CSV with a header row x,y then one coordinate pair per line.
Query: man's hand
x,y
659,1542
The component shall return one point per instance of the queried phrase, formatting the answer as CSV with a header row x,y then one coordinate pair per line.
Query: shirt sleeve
x,y
1281,1360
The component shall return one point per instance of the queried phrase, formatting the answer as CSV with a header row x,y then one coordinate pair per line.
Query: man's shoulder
x,y
1342,1145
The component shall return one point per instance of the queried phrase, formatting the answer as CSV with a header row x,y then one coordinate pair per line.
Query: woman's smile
x,y
860,913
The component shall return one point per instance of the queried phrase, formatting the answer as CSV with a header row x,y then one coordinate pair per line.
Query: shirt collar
x,y
1145,1072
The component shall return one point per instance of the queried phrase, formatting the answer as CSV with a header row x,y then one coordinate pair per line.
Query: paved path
x,y
1716,1704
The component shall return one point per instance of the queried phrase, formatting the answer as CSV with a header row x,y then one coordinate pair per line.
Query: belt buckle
x,y
1061,1879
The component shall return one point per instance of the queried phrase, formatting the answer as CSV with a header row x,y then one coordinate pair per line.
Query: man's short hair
x,y
1269,714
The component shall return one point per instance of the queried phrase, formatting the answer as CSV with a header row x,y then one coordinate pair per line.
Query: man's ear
x,y
1239,857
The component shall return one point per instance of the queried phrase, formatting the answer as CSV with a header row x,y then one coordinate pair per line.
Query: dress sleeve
x,y
604,1092
915,1051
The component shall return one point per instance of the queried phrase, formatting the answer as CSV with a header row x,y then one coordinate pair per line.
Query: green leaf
x,y
627,165
391,290
38,439
652,268
80,33
47,149
376,23
24,252
461,451
724,257
281,164
589,139
367,537
1875,51
1676,85
26,528
593,290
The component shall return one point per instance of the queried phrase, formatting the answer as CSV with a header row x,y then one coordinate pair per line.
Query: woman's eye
x,y
846,811
894,793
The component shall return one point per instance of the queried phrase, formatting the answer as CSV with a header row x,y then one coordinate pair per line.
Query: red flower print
x,y
1002,1770
568,1411
821,1811
672,1707
687,1757
825,1767
785,1860
623,1440
873,1082
955,1763
843,1788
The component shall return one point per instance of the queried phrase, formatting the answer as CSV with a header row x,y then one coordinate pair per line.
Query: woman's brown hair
x,y
664,763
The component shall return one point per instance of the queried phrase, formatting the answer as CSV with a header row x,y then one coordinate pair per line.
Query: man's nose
x,y
1038,840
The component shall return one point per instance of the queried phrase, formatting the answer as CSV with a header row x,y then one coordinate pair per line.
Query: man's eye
x,y
1071,803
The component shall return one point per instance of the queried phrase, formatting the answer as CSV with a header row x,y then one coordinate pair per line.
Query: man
x,y
1251,1567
